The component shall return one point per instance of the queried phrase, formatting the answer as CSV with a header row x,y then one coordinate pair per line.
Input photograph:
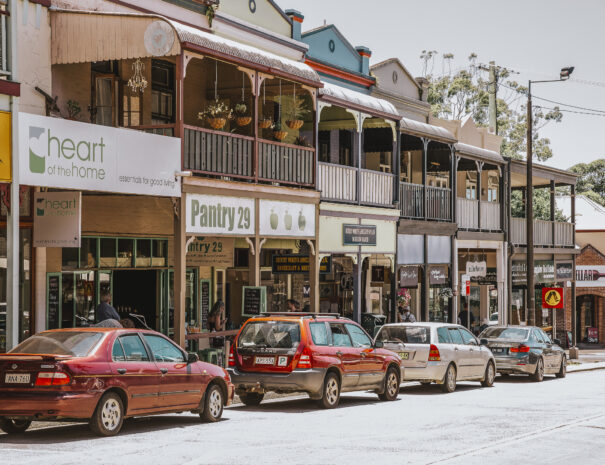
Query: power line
x,y
568,105
570,111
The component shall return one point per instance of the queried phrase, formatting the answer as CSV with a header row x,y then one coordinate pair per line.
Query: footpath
x,y
589,359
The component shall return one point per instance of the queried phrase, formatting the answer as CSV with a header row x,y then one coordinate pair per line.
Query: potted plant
x,y
242,118
265,122
296,114
73,109
278,132
302,141
216,114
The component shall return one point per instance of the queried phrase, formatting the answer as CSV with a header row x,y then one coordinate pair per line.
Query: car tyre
x,y
538,375
490,375
391,385
213,404
251,399
563,369
331,392
109,415
449,381
14,426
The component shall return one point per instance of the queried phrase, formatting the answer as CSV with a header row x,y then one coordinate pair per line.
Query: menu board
x,y
54,301
254,300
205,298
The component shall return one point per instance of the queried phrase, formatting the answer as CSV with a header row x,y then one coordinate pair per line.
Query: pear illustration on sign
x,y
288,221
274,220
302,221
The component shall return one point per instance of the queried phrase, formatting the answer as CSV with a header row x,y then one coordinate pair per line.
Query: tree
x,y
591,182
541,206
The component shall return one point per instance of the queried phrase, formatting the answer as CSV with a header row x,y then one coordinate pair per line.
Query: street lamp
x,y
529,199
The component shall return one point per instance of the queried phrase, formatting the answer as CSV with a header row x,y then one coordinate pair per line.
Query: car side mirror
x,y
557,341
192,358
483,341
378,345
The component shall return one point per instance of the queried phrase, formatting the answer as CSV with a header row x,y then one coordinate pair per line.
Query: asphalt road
x,y
516,421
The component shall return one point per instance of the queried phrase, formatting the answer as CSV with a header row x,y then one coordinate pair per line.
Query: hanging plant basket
x,y
295,123
243,120
265,123
217,123
280,135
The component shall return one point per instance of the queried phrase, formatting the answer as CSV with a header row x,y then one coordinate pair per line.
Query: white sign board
x,y
590,276
476,269
286,219
219,215
55,152
57,219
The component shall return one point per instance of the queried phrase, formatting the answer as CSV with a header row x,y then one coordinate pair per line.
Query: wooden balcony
x,y
376,188
438,203
467,214
410,200
339,183
543,233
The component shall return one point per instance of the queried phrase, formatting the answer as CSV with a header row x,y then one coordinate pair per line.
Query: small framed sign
x,y
254,300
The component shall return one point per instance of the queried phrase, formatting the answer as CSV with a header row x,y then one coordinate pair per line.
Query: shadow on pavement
x,y
522,379
435,389
305,405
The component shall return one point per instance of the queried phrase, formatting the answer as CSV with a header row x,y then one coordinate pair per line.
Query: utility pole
x,y
529,218
492,92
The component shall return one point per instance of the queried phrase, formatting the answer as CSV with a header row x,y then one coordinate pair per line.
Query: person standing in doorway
x,y
105,311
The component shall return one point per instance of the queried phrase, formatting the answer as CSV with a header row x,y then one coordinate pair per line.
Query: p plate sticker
x,y
282,361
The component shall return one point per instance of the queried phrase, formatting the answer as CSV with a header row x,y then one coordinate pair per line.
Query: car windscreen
x,y
73,343
406,334
270,334
510,334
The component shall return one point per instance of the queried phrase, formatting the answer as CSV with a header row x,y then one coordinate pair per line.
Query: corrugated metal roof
x,y
425,129
359,99
589,214
479,152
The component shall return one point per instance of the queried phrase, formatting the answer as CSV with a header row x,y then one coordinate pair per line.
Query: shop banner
x,y
552,297
211,251
217,214
358,234
476,269
408,276
55,152
286,219
289,264
438,275
57,219
590,276
544,272
563,271
491,277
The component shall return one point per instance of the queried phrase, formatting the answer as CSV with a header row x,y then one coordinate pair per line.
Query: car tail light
x,y
434,355
52,378
231,357
305,359
521,349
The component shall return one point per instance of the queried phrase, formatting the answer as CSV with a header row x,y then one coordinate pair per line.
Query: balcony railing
x,y
543,233
410,200
376,188
4,45
467,214
159,129
490,216
438,203
291,164
337,182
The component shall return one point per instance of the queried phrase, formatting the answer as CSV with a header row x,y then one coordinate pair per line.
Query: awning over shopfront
x,y
88,36
479,153
417,128
354,100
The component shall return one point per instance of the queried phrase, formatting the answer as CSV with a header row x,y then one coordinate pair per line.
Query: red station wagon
x,y
322,355
103,375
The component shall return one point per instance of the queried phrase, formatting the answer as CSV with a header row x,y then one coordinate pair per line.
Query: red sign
x,y
592,335
552,297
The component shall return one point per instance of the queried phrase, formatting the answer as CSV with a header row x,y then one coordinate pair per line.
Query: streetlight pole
x,y
529,200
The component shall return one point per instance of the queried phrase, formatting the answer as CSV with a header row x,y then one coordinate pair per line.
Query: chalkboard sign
x,y
54,301
205,299
254,300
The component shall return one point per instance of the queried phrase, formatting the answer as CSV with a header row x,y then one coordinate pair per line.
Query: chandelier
x,y
137,81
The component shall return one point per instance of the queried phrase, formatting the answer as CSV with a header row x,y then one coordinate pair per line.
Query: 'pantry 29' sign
x,y
54,152
217,214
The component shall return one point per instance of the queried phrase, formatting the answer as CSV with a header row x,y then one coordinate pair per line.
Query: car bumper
x,y
38,405
310,381
515,365
432,372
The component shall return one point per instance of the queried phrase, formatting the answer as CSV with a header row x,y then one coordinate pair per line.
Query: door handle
x,y
164,370
363,354
121,370
339,353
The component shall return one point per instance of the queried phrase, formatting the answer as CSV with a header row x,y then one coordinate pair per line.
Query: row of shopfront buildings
x,y
174,154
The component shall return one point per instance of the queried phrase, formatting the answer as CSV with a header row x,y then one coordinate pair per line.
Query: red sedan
x,y
104,375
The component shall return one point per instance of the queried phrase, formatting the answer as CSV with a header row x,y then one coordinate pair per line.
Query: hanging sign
x,y
286,219
289,264
476,269
563,271
211,251
590,276
57,219
217,214
438,275
55,152
358,234
552,297
408,276
254,300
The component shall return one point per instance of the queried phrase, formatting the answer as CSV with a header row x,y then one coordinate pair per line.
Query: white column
x,y
455,283
501,273
39,303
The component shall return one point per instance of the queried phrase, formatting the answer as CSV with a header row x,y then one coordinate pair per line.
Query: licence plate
x,y
16,378
264,360
404,355
498,351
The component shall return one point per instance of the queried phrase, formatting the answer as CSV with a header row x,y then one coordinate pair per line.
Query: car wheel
x,y
331,392
490,375
449,382
213,404
251,399
109,415
563,370
391,385
14,426
538,376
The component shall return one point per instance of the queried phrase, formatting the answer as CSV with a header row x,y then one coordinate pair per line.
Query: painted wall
x,y
263,13
393,78
344,55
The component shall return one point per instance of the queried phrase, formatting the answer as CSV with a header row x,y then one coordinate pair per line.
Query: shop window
x,y
125,252
143,257
162,92
69,258
131,107
88,252
160,252
241,258
108,253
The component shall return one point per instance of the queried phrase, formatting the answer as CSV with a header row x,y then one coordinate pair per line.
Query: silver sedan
x,y
439,352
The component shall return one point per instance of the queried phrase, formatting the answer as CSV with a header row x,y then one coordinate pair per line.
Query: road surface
x,y
516,421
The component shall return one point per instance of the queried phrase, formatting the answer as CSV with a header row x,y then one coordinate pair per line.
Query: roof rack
x,y
303,314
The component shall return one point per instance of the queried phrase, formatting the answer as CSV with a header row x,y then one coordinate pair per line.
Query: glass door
x,y
84,299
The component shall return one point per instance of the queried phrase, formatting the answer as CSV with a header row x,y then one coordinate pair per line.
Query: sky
x,y
534,37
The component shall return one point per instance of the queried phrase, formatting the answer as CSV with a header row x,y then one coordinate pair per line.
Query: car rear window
x,y
406,334
73,343
270,334
511,334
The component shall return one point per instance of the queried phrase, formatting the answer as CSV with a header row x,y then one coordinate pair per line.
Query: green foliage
x,y
591,182
466,93
541,206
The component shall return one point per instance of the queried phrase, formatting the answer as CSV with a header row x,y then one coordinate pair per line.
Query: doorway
x,y
134,292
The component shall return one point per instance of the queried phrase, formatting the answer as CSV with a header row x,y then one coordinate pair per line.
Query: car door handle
x,y
363,354
456,349
339,353
121,371
164,370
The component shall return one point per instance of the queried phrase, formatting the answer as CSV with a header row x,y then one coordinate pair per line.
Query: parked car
x,y
439,352
525,350
493,319
104,375
321,355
